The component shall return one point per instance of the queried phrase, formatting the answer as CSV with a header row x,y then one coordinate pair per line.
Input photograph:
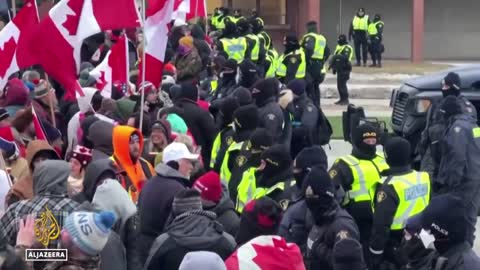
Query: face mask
x,y
413,248
183,50
254,160
319,207
299,177
367,149
450,92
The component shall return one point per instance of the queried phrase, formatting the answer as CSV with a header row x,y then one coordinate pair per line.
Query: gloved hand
x,y
334,71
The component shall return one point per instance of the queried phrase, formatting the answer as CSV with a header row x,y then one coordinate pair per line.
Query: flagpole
x,y
14,8
144,43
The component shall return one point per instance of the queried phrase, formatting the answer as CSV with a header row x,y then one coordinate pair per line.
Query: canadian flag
x,y
12,35
186,10
113,68
198,8
55,43
156,36
39,130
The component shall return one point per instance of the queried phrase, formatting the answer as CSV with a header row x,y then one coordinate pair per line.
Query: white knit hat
x,y
89,231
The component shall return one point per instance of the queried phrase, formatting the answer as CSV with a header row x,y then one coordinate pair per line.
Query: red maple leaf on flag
x,y
71,24
6,54
101,82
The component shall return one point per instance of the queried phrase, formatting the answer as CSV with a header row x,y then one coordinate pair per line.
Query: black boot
x,y
373,65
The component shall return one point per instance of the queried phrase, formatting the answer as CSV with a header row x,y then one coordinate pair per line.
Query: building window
x,y
273,12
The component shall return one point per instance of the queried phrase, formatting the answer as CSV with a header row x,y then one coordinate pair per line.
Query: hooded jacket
x,y
136,172
202,46
94,172
50,204
23,188
111,196
190,231
16,96
101,134
226,215
167,182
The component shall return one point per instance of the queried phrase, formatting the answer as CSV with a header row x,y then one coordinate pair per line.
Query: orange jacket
x,y
136,173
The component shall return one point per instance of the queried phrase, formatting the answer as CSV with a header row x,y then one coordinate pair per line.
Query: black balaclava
x,y
264,90
452,83
230,30
237,13
342,40
450,107
291,43
306,160
243,27
277,159
257,26
260,141
229,71
319,194
245,118
361,12
377,18
224,115
249,74
361,133
312,27
397,152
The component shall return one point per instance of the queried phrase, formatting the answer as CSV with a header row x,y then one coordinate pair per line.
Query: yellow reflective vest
x,y
272,57
225,173
256,48
360,23
235,48
246,189
340,49
366,173
217,145
413,192
302,67
320,44
372,28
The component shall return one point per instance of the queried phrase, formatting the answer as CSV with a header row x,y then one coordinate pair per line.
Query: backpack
x,y
324,127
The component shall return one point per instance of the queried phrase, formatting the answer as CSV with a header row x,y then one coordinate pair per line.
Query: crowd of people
x,y
222,167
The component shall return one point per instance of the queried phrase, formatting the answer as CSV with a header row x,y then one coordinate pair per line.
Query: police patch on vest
x,y
284,204
342,234
271,116
309,109
415,192
381,196
241,160
457,129
333,173
229,140
293,60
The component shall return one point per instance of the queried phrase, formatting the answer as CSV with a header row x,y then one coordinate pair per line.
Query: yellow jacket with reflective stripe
x,y
320,44
246,189
282,68
225,173
262,192
272,57
339,50
360,23
256,49
372,28
366,173
217,145
235,48
413,192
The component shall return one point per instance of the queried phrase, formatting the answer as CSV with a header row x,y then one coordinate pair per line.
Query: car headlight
x,y
422,105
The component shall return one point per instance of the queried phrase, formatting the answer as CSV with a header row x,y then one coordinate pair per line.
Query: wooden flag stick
x,y
50,101
144,42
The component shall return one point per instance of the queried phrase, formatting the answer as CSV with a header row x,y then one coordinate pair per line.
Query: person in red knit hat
x,y
81,157
217,201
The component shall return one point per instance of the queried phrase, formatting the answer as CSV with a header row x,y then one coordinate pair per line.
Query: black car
x,y
411,101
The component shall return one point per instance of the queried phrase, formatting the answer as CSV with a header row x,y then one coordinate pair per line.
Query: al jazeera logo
x,y
46,229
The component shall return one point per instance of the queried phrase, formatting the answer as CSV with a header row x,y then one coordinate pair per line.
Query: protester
x,y
18,165
14,97
44,101
173,176
187,60
95,174
49,204
127,150
84,248
160,137
202,260
192,229
110,196
81,157
37,152
213,199
100,134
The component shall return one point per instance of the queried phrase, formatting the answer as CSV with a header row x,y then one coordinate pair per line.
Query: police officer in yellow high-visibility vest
x,y
292,64
230,45
316,53
357,173
375,35
358,30
253,42
401,194
342,67
271,63
218,18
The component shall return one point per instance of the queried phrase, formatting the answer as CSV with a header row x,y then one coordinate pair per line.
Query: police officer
x,y
227,83
292,64
332,223
223,112
459,169
375,35
305,117
230,44
401,194
253,41
218,23
341,65
357,173
358,30
316,53
429,147
245,120
243,171
443,224
271,115
237,15
274,177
